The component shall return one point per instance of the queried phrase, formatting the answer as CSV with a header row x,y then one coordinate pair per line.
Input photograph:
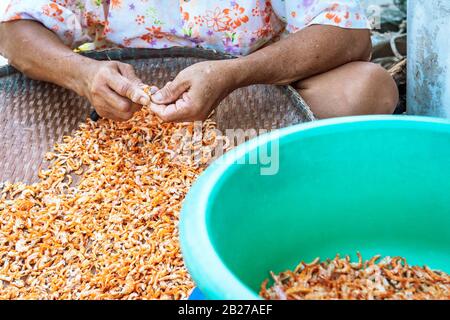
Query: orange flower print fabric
x,y
302,13
235,27
75,22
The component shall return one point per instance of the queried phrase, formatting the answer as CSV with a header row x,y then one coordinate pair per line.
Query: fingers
x,y
153,90
128,72
181,110
127,84
116,107
171,91
115,91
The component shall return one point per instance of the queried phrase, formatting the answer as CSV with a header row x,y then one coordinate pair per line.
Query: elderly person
x,y
321,47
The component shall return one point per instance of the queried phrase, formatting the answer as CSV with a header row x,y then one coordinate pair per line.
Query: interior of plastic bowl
x,y
375,185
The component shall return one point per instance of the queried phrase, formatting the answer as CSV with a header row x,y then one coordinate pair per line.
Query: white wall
x,y
2,7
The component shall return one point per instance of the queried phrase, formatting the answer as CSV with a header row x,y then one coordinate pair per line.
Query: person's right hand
x,y
113,89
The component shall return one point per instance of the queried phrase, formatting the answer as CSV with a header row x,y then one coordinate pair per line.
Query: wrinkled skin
x,y
328,65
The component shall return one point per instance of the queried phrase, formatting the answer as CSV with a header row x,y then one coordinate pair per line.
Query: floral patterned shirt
x,y
236,27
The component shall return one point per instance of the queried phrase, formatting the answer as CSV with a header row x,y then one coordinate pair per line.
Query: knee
x,y
373,91
356,88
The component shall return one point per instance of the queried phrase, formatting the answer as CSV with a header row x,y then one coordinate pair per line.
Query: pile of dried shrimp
x,y
101,223
388,279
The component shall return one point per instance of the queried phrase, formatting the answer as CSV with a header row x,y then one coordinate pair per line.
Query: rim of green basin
x,y
207,269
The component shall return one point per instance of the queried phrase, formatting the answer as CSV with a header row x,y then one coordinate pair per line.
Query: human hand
x,y
113,89
195,92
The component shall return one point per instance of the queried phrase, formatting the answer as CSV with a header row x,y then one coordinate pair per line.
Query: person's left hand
x,y
195,92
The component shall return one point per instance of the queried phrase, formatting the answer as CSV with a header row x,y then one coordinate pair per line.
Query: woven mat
x,y
34,115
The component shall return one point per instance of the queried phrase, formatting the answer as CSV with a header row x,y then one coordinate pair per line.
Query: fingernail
x,y
144,100
157,96
153,90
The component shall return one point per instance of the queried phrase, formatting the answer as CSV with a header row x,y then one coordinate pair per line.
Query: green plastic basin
x,y
377,185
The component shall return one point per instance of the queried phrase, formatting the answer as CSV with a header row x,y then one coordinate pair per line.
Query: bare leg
x,y
356,88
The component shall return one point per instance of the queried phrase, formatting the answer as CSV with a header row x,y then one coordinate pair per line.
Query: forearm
x,y
311,51
41,55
